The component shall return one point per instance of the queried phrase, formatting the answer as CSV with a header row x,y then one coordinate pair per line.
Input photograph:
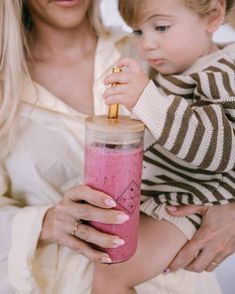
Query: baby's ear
x,y
216,16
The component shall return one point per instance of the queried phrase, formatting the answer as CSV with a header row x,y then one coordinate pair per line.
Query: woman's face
x,y
60,14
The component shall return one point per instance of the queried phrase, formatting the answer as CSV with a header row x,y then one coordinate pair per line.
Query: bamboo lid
x,y
121,125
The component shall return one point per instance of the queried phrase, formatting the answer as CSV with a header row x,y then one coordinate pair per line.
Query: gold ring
x,y
75,226
213,263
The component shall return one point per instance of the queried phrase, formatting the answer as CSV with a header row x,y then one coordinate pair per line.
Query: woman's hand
x,y
212,243
86,204
127,86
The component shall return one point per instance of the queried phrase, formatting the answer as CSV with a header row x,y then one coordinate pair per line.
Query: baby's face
x,y
171,36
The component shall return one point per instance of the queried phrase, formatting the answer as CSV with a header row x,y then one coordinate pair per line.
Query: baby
x,y
189,110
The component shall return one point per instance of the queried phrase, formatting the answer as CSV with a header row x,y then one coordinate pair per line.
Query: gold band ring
x,y
213,263
75,226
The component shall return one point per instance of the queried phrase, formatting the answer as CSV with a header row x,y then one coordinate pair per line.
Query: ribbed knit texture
x,y
191,159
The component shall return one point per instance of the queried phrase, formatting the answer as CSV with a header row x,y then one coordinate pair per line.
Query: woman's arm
x,y
212,243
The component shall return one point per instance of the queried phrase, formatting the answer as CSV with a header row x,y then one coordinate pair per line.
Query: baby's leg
x,y
158,244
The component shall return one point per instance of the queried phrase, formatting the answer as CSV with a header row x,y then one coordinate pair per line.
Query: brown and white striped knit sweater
x,y
190,159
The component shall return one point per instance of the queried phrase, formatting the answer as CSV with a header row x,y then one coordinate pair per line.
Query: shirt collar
x,y
107,54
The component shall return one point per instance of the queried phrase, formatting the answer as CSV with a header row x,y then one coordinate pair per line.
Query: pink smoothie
x,y
117,173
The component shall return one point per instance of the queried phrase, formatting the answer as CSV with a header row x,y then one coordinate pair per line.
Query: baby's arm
x,y
158,244
201,133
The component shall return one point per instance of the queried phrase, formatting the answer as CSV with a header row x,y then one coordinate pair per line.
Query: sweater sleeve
x,y
20,228
201,133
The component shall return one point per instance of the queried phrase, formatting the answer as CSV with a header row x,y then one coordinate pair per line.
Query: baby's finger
x,y
115,99
115,90
131,63
117,78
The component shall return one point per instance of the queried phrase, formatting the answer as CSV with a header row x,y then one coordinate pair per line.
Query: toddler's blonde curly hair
x,y
131,10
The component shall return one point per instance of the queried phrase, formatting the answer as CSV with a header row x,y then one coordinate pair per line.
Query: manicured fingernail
x,y
117,242
110,202
121,218
106,259
172,208
166,271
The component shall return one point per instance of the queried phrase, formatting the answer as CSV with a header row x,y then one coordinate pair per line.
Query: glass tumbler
x,y
113,165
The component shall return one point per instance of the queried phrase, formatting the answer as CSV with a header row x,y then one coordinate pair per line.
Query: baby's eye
x,y
162,28
137,32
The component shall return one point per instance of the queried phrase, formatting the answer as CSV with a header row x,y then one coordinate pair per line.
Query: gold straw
x,y
114,108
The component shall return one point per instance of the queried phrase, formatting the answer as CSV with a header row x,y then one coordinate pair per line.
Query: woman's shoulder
x,y
229,50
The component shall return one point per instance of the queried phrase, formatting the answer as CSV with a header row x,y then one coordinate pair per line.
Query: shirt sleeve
x,y
20,229
201,133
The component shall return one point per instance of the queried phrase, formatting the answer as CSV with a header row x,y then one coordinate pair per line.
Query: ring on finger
x,y
76,225
214,263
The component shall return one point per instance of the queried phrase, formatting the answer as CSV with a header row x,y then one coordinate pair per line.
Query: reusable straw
x,y
114,108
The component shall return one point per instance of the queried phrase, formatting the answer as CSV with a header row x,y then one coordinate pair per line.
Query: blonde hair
x,y
12,64
131,10
14,26
204,6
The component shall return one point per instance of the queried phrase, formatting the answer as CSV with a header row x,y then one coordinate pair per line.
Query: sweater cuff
x,y
25,232
152,108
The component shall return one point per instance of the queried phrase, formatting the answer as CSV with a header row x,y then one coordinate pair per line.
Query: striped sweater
x,y
190,154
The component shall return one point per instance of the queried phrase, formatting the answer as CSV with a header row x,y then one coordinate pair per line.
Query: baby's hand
x,y
128,85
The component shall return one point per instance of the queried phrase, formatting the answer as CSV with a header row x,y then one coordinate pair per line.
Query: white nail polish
x,y
121,218
110,202
166,271
118,242
106,259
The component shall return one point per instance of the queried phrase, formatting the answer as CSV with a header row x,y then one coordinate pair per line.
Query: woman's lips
x,y
66,3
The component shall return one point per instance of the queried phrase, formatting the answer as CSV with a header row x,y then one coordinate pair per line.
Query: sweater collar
x,y
205,61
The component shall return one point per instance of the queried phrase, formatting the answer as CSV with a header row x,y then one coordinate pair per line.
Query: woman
x,y
51,78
